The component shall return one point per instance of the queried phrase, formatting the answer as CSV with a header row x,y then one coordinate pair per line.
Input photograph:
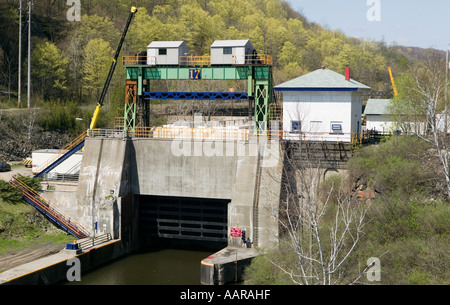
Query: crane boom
x,y
394,87
111,70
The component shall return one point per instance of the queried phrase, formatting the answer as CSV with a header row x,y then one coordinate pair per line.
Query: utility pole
x,y
446,95
30,3
19,95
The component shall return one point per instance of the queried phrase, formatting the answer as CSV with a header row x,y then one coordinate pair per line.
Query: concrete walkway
x,y
53,269
226,266
34,266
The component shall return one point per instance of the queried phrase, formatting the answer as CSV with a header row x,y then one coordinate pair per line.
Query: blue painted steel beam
x,y
222,96
51,218
61,159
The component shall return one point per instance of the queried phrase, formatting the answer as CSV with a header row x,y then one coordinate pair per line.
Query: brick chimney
x,y
347,74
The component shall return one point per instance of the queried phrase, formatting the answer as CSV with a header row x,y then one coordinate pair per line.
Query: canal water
x,y
162,266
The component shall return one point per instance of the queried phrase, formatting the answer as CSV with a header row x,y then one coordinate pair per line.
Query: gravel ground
x,y
35,251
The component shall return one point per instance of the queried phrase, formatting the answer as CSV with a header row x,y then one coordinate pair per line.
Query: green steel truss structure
x,y
259,79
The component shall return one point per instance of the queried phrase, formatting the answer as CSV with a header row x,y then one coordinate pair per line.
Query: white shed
x,y
377,115
228,52
322,106
165,53
379,118
44,157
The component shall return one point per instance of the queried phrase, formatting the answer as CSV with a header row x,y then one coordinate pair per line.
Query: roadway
x,y
22,170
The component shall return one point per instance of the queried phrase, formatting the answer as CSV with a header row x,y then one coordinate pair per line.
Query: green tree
x,y
49,68
11,194
145,29
97,60
289,54
297,34
95,27
91,27
201,29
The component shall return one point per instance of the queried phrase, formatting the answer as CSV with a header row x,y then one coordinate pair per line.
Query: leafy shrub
x,y
408,228
394,165
10,194
60,116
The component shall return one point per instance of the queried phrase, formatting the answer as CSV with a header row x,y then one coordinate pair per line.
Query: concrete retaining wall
x,y
63,195
103,182
185,168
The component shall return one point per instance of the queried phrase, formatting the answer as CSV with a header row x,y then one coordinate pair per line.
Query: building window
x,y
162,51
227,51
296,126
336,127
316,126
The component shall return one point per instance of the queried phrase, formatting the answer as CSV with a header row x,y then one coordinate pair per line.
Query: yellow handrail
x,y
61,152
193,61
37,199
257,59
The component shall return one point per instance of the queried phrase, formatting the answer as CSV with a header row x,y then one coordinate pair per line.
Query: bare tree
x,y
320,224
29,122
7,74
421,107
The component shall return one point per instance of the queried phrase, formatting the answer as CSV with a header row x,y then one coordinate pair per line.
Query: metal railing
x,y
32,197
90,242
229,134
107,133
138,60
59,177
258,59
191,133
194,61
60,153
328,137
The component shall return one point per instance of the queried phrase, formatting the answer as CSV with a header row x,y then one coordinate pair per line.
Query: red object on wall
x,y
347,74
235,232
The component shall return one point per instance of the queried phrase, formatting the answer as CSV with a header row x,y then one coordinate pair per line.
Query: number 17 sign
x,y
195,74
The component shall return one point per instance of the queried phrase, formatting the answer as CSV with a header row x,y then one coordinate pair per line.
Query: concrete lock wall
x,y
61,194
184,168
113,170
102,185
255,202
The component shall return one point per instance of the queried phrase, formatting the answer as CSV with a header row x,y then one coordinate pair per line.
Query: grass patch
x,y
22,227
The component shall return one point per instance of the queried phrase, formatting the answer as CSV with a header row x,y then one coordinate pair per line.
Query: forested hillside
x,y
70,60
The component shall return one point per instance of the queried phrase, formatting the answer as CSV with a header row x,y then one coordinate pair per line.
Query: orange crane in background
x,y
393,82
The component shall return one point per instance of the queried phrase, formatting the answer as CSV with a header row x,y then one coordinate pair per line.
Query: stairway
x,y
52,213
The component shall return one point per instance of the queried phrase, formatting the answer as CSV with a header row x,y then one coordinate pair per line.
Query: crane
x,y
111,71
394,87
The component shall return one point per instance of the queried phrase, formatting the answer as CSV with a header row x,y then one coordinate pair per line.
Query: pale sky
x,y
417,23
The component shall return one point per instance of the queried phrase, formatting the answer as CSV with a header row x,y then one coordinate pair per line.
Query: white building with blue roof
x,y
322,106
